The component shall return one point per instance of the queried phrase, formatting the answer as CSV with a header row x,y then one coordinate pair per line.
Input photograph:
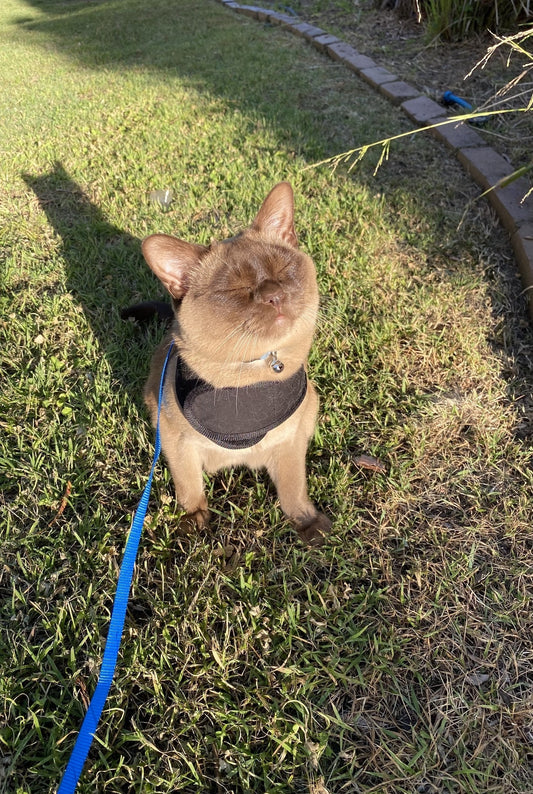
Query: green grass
x,y
398,658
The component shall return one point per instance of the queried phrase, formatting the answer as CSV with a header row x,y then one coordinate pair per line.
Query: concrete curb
x,y
485,166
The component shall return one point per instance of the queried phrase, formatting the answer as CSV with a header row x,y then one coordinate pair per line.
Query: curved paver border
x,y
483,164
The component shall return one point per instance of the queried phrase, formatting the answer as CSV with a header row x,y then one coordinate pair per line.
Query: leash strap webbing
x,y
85,737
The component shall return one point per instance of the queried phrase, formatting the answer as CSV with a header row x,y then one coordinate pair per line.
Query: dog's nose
x,y
270,292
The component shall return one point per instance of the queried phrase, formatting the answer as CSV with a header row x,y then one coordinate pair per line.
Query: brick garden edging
x,y
483,164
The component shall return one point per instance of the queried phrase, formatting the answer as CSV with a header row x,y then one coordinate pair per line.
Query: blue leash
x,y
83,743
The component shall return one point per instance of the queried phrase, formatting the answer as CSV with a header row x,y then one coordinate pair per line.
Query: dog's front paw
x,y
192,522
314,531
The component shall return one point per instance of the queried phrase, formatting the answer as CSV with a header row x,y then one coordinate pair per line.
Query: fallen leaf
x,y
369,462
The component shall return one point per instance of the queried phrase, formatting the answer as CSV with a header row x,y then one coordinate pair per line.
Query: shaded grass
x,y
398,659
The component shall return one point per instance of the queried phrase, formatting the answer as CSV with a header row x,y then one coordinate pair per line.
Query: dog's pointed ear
x,y
275,219
172,261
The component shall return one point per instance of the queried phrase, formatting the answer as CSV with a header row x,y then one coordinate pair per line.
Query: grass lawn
x,y
399,657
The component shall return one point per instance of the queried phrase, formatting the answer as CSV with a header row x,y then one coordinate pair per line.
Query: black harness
x,y
237,417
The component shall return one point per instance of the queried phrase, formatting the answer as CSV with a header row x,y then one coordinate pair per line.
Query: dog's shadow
x,y
104,269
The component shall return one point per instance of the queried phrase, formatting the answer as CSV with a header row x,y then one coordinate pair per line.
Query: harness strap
x,y
236,417
83,743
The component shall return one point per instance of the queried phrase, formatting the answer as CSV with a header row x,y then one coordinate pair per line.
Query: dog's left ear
x,y
275,219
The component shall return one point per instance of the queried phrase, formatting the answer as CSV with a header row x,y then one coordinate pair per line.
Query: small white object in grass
x,y
162,197
477,679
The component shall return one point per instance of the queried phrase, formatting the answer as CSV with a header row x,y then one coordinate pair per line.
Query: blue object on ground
x,y
448,98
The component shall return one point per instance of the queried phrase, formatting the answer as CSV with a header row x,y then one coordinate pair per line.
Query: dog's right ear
x,y
172,260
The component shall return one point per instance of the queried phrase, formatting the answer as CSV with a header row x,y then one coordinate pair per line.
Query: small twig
x,y
63,503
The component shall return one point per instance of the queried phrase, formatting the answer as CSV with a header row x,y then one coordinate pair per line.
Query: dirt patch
x,y
401,45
